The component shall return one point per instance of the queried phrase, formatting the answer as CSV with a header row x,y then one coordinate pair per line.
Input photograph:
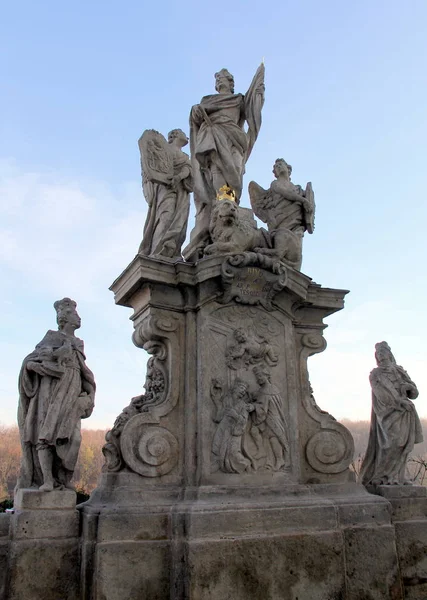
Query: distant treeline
x,y
91,458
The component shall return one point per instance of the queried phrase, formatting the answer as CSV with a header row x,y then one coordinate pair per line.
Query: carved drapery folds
x,y
330,449
137,441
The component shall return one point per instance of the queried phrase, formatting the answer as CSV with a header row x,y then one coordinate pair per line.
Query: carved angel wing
x,y
156,157
309,213
259,200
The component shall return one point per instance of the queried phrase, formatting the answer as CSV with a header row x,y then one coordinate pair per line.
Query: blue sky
x,y
345,105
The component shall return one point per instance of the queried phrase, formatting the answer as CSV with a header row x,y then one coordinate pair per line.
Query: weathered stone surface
x,y
133,570
44,571
372,570
56,391
32,499
411,537
4,552
395,426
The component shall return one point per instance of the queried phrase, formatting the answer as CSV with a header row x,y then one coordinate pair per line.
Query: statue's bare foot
x,y
46,487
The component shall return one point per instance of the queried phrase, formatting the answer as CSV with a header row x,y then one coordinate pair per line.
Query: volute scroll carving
x,y
330,449
137,441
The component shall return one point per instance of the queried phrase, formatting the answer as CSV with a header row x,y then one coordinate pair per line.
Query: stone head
x,y
262,375
240,336
224,82
178,137
281,166
66,314
383,354
224,214
240,389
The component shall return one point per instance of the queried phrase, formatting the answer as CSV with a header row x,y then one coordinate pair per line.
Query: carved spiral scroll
x,y
148,449
329,451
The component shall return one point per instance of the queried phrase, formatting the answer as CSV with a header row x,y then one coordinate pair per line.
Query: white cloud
x,y
54,229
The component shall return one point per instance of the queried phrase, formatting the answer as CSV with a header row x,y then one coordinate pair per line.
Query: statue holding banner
x,y
219,144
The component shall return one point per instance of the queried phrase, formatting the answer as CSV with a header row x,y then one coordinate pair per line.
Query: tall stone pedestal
x,y
44,546
221,483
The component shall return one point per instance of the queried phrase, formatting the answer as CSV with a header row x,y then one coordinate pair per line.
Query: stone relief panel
x,y
137,441
251,431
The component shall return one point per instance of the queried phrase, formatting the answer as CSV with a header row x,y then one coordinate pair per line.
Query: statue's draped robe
x,y
167,218
219,141
49,412
285,213
394,430
227,452
269,416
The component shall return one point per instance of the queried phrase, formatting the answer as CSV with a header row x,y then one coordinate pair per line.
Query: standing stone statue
x,y
56,391
167,183
288,211
219,144
395,426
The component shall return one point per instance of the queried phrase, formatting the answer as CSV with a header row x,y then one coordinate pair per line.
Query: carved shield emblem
x,y
156,157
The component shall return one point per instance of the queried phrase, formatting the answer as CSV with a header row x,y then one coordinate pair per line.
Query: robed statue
x,y
56,391
395,425
288,211
167,183
219,144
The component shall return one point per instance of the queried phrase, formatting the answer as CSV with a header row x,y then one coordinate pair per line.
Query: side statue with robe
x,y
167,183
288,211
219,144
56,391
395,425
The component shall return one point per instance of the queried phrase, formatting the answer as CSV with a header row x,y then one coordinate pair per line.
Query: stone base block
x,y
33,499
133,570
306,542
44,570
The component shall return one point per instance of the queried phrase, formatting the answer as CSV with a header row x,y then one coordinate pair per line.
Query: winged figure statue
x,y
167,183
288,211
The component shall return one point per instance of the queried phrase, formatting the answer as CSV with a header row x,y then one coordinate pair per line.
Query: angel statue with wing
x,y
167,183
219,144
288,211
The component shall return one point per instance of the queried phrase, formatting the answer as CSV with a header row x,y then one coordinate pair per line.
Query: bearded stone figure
x,y
56,391
395,425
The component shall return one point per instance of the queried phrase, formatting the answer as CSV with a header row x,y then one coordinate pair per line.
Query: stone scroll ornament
x,y
395,425
56,391
330,449
288,211
137,440
167,183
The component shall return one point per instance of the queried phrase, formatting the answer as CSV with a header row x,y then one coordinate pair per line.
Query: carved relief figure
x,y
167,183
232,411
288,211
247,351
219,145
270,428
395,426
56,391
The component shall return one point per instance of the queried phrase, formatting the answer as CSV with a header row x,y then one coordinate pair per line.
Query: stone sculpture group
x,y
225,456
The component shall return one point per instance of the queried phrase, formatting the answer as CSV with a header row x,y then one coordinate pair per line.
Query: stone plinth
x,y
44,558
198,499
